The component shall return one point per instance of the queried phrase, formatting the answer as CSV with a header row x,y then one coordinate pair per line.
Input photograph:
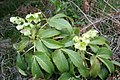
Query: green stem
x,y
44,25
28,50
34,46
89,53
87,59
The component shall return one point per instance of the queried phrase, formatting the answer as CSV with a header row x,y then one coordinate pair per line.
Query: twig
x,y
110,5
83,14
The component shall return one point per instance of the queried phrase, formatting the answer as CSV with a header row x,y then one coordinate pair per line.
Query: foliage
x,y
52,46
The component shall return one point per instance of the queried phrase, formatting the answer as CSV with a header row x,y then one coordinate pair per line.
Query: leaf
x,y
95,66
64,33
98,41
94,48
60,24
74,57
23,43
47,76
60,15
65,76
60,61
28,58
108,64
67,41
83,71
20,62
40,47
42,33
52,44
36,72
103,74
72,67
44,62
77,61
21,71
104,53
21,66
116,63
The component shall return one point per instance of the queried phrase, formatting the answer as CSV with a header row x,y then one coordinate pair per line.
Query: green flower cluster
x,y
82,42
26,26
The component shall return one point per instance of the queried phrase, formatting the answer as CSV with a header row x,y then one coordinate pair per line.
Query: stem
x,y
87,59
34,46
28,50
89,53
110,5
44,25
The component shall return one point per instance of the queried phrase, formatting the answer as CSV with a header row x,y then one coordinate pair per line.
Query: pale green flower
x,y
26,32
34,17
19,27
17,20
37,20
29,17
86,35
90,34
93,33
86,40
26,24
13,19
37,15
82,41
80,46
76,45
76,39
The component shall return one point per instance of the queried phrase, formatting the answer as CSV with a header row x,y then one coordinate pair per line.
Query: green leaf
x,y
103,74
95,66
108,64
52,44
67,41
83,71
28,58
60,24
23,43
20,62
98,41
104,53
44,62
77,61
116,63
64,33
72,67
40,46
74,57
94,48
65,76
35,69
42,33
60,61
47,76
21,71
60,15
